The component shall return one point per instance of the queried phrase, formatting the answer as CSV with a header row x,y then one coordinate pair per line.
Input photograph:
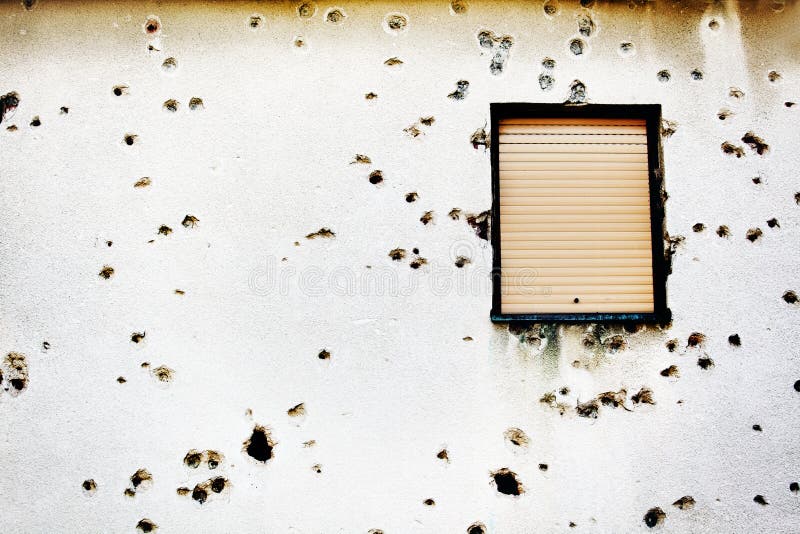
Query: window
x,y
577,213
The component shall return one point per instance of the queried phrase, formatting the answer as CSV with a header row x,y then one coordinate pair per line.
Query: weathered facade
x,y
245,285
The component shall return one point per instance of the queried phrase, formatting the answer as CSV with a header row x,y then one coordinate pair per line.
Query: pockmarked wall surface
x,y
244,280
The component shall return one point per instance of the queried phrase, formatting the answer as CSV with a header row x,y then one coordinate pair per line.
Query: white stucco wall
x,y
266,161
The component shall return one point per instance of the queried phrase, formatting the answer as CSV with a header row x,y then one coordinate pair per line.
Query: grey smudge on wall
x,y
506,482
14,372
577,92
260,444
462,88
654,516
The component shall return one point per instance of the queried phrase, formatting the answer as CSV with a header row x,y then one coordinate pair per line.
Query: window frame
x,y
651,113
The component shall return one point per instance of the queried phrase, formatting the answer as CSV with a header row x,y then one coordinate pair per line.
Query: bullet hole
x,y
480,223
696,75
195,103
375,177
411,197
757,428
672,344
397,254
427,121
121,379
705,363
370,96
164,230
8,104
760,500
417,263
585,25
442,455
454,214
309,443
564,391
724,114
324,233
696,339
797,198
429,502
668,128
306,10
577,47
501,46
35,122
213,459
140,477
260,444
546,81
789,104
89,485
476,528
169,64
736,93
218,484
255,21
299,42
200,494
415,250
396,22
106,272
130,139
735,340
506,482
145,365
614,399
773,76
790,297
466,338
684,503
698,227
145,525
375,531
361,158
193,459
297,411
713,24
12,128
654,516
549,399
458,7
152,25
478,138
671,371
587,409
755,143
129,493
426,218
335,16
413,131
28,4
137,337
183,491
517,437
757,180
627,49
171,105
723,231
551,8
663,76
142,182
615,343
324,355
163,373
317,468
643,396
577,92
773,223
109,243
461,261
794,487
393,62
64,110
753,234
730,148
462,88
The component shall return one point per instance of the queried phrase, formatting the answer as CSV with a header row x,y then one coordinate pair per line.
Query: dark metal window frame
x,y
651,113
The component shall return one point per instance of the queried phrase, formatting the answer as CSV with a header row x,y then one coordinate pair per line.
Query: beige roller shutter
x,y
575,233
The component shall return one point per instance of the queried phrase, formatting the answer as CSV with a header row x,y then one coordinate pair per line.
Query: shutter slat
x,y
572,129
572,166
624,157
567,254
612,139
620,270
574,121
561,192
643,298
514,228
607,261
533,148
585,289
609,307
578,210
542,281
573,201
576,244
586,174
